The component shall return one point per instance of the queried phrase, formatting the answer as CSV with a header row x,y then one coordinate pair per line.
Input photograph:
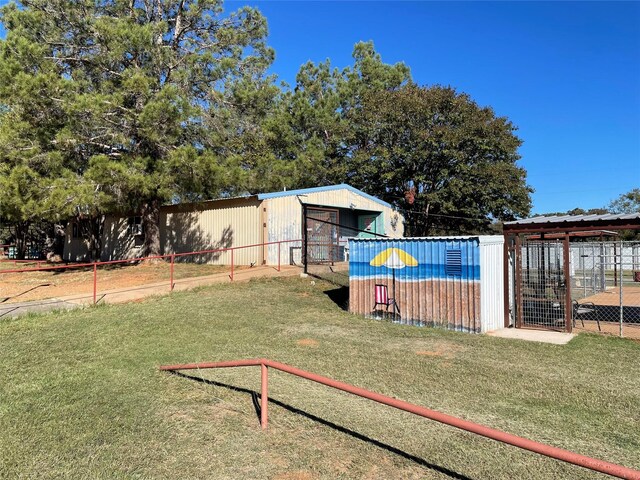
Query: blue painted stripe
x,y
328,188
424,271
434,258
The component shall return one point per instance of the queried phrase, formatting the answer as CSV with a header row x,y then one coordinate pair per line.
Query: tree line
x,y
113,106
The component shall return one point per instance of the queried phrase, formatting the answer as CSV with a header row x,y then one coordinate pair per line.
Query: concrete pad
x,y
544,336
16,309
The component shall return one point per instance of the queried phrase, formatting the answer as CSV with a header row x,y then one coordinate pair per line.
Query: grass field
x,y
81,396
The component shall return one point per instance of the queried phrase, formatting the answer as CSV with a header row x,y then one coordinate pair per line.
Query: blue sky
x,y
567,74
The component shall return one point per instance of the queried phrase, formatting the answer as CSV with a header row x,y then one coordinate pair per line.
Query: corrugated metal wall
x,y
491,282
214,225
440,284
75,249
195,227
234,222
284,219
393,221
284,222
117,242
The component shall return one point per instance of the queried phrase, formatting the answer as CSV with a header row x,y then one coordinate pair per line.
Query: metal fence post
x,y
171,280
264,396
621,297
279,245
232,264
95,281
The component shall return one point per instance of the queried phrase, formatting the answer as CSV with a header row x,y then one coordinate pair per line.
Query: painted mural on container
x,y
418,282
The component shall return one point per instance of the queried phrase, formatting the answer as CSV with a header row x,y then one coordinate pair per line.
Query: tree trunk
x,y
22,232
151,228
97,224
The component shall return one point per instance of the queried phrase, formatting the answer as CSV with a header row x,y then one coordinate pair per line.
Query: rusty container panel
x,y
432,281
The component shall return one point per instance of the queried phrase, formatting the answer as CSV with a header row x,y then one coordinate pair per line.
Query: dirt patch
x,y
40,285
307,342
444,350
295,475
430,354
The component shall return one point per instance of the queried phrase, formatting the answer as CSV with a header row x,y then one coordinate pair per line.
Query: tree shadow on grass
x,y
255,398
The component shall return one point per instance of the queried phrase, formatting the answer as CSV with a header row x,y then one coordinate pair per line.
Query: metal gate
x,y
541,285
322,240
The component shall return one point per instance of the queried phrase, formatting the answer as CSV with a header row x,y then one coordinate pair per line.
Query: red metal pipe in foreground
x,y
526,444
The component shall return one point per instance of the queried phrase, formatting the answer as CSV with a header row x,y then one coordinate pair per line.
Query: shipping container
x,y
450,282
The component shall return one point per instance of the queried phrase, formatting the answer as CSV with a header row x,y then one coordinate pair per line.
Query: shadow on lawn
x,y
255,398
339,296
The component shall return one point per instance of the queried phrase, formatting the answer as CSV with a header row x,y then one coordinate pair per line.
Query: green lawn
x,y
81,396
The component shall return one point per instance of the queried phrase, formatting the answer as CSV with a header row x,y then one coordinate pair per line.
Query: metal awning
x,y
574,223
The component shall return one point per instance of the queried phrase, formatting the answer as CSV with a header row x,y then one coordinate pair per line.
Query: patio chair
x,y
382,298
580,309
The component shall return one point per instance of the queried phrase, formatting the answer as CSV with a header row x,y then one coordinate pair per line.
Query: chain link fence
x,y
602,279
605,287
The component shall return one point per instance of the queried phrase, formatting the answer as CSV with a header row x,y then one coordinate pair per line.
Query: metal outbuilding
x,y
249,220
451,282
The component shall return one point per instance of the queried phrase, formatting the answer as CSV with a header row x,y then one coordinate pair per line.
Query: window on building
x,y
135,226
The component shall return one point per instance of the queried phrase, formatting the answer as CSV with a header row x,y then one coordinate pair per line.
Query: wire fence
x,y
605,287
595,286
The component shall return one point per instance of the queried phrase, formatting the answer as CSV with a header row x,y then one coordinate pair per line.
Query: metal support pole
x,y
506,284
568,305
518,282
615,266
621,297
232,264
305,234
264,396
279,245
173,258
95,281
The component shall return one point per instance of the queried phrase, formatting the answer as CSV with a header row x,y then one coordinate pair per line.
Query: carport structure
x,y
573,271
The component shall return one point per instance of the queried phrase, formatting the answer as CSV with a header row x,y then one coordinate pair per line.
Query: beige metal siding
x,y
75,249
214,225
284,219
284,222
343,198
117,242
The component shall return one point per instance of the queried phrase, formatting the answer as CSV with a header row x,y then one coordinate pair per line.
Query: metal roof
x,y
573,223
304,191
483,239
608,217
287,193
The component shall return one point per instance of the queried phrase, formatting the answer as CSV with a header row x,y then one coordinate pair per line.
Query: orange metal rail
x,y
526,444
172,257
